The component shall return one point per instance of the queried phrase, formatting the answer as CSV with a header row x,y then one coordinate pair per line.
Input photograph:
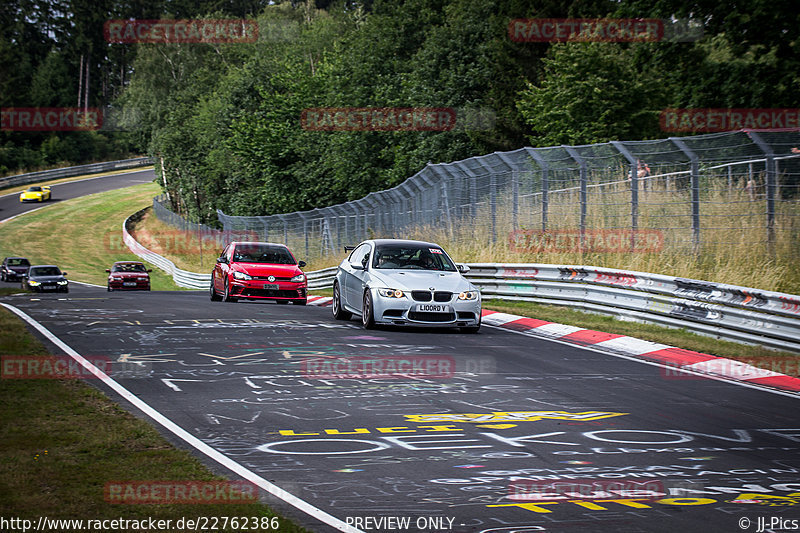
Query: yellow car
x,y
35,194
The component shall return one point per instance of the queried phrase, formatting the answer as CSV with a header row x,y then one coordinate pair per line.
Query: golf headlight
x,y
33,283
391,293
241,275
300,278
468,295
62,282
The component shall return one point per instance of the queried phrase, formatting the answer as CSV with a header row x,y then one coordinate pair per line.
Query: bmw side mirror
x,y
463,269
108,270
222,259
63,273
356,266
149,269
301,264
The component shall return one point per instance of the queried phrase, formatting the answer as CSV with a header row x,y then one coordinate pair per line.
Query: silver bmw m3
x,y
400,282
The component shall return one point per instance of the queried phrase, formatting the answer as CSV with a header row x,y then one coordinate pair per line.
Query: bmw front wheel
x,y
367,312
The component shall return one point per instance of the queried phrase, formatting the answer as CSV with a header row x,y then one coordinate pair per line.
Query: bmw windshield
x,y
44,271
411,257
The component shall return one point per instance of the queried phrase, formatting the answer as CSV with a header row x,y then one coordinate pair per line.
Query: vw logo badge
x,y
271,279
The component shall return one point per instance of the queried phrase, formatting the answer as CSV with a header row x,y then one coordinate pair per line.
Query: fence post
x,y
695,189
771,171
633,161
515,200
584,194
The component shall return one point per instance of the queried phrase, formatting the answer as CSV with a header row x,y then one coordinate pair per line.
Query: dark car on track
x,y
128,275
13,268
45,278
258,271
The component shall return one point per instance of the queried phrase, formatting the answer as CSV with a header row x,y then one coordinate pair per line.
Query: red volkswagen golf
x,y
258,271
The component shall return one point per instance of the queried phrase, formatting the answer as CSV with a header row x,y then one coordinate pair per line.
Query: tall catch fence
x,y
728,189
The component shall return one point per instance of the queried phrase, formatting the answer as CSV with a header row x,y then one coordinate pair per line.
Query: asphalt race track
x,y
11,206
491,432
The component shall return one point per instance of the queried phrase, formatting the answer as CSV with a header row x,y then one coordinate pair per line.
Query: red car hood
x,y
260,269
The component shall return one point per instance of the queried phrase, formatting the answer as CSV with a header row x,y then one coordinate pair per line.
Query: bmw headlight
x,y
391,293
298,278
241,275
62,282
468,295
33,283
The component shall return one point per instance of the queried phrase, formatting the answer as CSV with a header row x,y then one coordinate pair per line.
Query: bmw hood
x,y
415,280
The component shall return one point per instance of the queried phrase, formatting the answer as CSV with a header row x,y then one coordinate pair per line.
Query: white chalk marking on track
x,y
187,437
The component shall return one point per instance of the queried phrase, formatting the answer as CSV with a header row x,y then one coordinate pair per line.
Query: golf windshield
x,y
263,253
18,262
411,257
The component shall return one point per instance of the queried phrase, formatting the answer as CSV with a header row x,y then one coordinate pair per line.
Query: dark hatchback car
x,y
45,278
128,275
13,268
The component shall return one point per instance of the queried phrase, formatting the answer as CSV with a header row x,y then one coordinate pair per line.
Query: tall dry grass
x,y
733,244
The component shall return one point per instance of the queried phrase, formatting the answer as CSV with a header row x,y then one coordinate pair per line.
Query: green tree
x,y
591,92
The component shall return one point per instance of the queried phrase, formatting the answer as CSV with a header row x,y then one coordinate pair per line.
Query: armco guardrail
x,y
727,311
319,279
68,172
182,278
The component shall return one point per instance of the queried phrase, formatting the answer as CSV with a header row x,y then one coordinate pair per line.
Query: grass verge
x,y
83,236
63,441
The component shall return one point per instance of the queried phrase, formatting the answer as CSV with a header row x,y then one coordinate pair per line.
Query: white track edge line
x,y
184,435
638,359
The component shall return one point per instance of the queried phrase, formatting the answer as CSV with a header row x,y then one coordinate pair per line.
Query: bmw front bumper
x,y
440,312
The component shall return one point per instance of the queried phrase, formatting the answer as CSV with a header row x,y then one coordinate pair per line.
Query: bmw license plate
x,y
432,308
49,287
271,286
129,284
